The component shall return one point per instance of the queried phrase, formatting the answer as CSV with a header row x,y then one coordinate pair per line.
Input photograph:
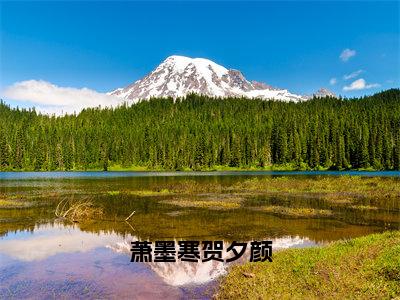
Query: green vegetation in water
x,y
141,193
240,220
113,193
150,193
11,203
210,204
202,133
298,212
361,268
15,201
341,189
212,201
363,207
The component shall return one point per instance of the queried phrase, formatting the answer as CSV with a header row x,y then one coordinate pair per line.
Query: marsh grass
x,y
190,187
210,204
341,187
339,191
362,268
113,193
296,212
352,192
341,197
141,193
363,207
77,211
295,197
15,202
150,193
8,203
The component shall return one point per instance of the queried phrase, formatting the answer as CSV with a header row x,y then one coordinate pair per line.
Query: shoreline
x,y
20,175
366,266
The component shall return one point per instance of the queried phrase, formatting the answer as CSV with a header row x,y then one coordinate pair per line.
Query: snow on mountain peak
x,y
178,76
323,92
202,64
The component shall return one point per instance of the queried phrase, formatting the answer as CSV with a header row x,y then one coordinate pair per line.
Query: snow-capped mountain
x,y
178,76
323,92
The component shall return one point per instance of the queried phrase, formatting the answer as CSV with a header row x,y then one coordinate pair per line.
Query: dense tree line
x,y
199,132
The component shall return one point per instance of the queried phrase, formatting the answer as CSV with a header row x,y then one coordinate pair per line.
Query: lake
x,y
50,256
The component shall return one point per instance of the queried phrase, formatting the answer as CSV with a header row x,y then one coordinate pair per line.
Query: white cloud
x,y
347,54
50,98
333,81
352,75
359,84
50,240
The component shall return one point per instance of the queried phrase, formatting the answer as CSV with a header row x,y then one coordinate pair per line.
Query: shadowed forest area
x,y
202,133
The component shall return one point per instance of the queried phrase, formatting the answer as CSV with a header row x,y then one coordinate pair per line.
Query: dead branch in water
x,y
130,215
130,225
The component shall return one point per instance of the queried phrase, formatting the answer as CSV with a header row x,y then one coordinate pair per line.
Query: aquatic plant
x,y
77,210
210,204
149,193
298,212
113,193
9,203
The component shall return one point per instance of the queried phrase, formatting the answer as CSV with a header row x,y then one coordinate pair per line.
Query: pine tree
x,y
4,152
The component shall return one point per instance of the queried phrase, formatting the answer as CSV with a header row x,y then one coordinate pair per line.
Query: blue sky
x,y
294,45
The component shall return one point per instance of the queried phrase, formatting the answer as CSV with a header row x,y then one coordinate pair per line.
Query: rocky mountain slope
x,y
178,76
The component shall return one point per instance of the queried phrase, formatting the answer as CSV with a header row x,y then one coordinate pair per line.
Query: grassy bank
x,y
333,189
366,267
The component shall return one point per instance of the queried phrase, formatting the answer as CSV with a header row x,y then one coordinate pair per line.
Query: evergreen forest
x,y
203,133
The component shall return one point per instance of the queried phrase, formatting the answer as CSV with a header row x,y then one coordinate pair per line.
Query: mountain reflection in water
x,y
182,273
53,255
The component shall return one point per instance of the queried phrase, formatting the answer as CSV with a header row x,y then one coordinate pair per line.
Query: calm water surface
x,y
98,174
45,257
